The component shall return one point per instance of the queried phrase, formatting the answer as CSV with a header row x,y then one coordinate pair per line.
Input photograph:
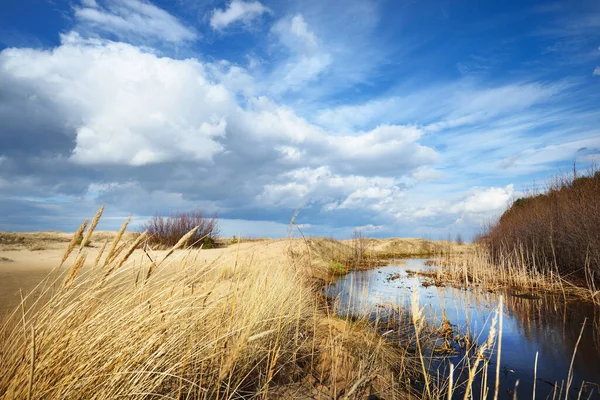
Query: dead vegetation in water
x,y
479,268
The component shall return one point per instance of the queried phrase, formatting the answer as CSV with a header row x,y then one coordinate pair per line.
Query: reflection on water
x,y
545,324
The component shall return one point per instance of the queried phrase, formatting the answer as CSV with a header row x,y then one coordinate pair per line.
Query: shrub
x,y
167,231
459,239
557,229
338,268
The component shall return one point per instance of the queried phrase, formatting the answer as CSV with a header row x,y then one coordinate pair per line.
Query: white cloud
x,y
132,20
443,107
126,106
486,200
320,186
373,197
596,71
462,209
308,59
427,174
363,115
388,150
237,10
89,3
294,33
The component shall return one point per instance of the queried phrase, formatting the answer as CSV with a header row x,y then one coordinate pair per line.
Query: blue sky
x,y
402,118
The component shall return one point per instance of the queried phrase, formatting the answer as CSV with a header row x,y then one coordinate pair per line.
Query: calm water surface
x,y
547,325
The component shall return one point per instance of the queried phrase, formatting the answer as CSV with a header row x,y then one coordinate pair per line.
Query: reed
x,y
479,267
116,242
88,235
418,323
77,237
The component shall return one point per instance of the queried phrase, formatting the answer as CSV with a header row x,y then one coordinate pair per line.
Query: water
x,y
543,324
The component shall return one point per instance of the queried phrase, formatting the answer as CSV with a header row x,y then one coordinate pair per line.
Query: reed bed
x,y
480,268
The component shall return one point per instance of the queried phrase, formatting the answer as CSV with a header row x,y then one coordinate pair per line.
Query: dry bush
x,y
167,231
553,231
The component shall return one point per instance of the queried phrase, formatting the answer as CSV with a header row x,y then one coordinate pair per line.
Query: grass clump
x,y
338,269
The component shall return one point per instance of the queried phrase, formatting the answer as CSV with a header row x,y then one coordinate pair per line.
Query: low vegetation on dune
x,y
31,241
361,252
37,241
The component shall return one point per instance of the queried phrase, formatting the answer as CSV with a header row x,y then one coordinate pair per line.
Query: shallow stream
x,y
532,323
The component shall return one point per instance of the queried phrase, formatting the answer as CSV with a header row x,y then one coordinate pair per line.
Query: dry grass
x,y
192,330
37,241
478,267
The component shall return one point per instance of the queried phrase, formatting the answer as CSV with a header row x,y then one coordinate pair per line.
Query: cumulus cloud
x,y
486,200
462,210
387,150
133,20
123,105
331,192
237,11
596,71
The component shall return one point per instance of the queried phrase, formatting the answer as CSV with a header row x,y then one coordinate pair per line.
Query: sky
x,y
400,118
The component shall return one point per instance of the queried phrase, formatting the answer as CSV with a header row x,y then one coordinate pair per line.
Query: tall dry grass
x,y
190,330
479,267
